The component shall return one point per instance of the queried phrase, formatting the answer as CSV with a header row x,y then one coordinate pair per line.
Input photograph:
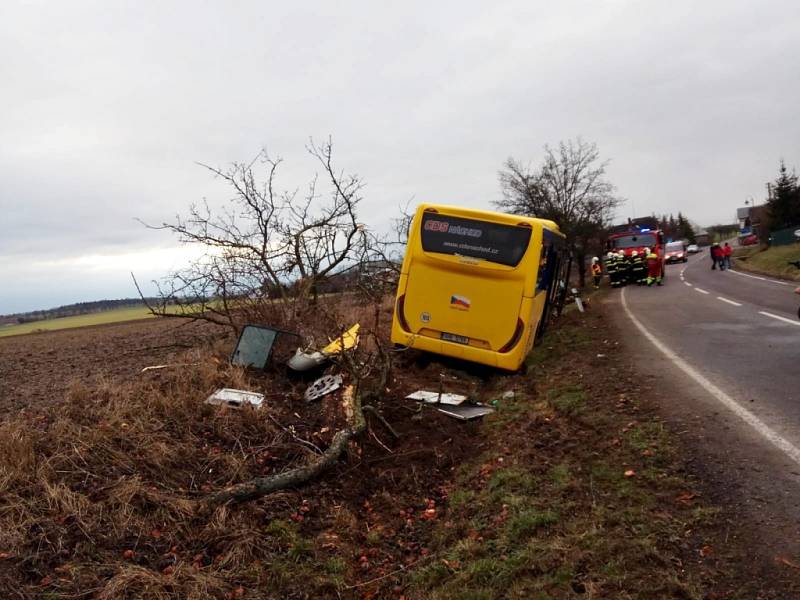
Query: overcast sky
x,y
105,107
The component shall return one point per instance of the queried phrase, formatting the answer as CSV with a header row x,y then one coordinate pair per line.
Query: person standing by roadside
x,y
638,268
726,255
611,269
653,269
715,255
622,269
597,271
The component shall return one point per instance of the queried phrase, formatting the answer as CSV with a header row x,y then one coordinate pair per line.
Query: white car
x,y
692,249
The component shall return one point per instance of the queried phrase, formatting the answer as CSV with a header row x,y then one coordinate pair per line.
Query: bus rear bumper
x,y
508,361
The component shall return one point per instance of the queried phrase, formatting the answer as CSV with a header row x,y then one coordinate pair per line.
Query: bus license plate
x,y
458,339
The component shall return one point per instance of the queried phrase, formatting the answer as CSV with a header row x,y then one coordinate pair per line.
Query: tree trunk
x,y
580,257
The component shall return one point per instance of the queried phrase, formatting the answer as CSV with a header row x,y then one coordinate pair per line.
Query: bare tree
x,y
265,250
569,188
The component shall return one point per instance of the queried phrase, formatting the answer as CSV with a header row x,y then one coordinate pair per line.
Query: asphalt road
x,y
722,350
739,332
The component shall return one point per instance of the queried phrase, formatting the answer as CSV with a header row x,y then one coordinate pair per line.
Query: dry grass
x,y
102,493
772,261
112,476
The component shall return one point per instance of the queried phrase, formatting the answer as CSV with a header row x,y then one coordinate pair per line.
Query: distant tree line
x,y
70,310
723,231
676,228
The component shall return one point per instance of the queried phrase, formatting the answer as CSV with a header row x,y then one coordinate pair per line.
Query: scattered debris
x,y
782,560
235,398
322,386
347,341
630,473
578,301
255,344
159,367
305,360
437,397
509,395
466,412
601,355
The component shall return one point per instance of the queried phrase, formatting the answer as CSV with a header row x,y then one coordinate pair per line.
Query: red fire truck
x,y
638,234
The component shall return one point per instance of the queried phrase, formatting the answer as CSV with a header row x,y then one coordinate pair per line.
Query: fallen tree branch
x,y
262,486
374,412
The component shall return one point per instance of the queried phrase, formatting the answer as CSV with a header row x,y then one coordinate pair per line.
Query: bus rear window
x,y
502,244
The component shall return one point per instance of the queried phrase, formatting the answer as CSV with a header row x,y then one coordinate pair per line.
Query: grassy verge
x,y
101,318
773,261
575,492
568,490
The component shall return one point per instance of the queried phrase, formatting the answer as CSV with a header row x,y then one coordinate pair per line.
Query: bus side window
x,y
545,274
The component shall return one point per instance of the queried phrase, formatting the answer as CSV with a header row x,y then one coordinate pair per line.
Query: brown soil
x,y
37,369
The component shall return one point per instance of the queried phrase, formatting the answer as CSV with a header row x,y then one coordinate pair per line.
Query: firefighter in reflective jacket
x,y
597,271
638,268
623,268
612,268
653,269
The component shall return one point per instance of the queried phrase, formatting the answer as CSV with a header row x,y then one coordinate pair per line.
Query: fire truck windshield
x,y
637,240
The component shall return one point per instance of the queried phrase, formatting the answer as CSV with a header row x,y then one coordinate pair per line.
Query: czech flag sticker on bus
x,y
478,285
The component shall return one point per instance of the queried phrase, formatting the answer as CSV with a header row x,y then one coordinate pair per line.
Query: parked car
x,y
692,249
675,252
749,240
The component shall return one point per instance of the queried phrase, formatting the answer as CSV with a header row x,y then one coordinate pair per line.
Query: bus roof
x,y
489,215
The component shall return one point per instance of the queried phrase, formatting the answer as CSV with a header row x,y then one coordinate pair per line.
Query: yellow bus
x,y
478,285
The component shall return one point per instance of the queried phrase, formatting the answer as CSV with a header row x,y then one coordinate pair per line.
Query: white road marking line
x,y
728,301
687,283
757,277
774,438
697,289
766,314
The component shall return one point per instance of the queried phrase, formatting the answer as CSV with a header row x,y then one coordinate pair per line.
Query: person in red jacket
x,y
716,254
726,255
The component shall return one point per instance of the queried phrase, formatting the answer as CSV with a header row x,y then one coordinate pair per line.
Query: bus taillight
x,y
401,317
514,338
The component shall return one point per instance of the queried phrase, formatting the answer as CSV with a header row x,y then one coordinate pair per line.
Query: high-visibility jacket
x,y
596,269
653,266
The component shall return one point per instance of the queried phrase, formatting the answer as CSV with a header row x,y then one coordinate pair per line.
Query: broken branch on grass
x,y
262,486
374,412
295,436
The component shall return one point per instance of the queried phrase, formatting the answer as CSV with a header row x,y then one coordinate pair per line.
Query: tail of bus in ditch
x,y
478,285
